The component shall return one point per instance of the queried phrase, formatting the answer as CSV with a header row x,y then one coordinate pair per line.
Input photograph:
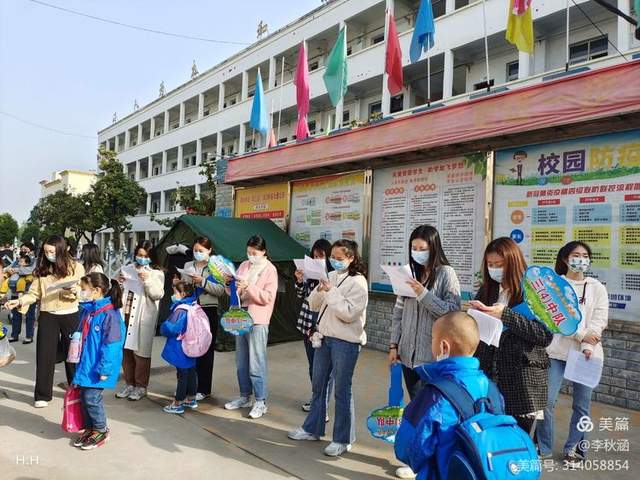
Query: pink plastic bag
x,y
72,416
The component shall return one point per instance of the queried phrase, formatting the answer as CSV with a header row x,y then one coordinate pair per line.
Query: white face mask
x,y
254,258
421,257
496,274
579,264
84,296
51,257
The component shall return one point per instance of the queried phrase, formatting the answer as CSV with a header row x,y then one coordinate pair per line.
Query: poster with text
x,y
585,189
447,194
328,207
265,201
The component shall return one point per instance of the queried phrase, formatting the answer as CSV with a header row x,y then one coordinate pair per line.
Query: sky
x,y
71,73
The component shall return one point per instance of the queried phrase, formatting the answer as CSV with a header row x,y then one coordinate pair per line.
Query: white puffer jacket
x,y
595,315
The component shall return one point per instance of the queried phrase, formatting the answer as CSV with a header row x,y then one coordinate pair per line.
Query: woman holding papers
x,y
143,286
55,285
209,293
436,291
342,303
306,323
519,364
573,261
257,284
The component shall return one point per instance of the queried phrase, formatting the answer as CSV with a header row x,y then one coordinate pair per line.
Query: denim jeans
x,y
251,362
187,383
93,408
310,356
581,404
339,357
16,322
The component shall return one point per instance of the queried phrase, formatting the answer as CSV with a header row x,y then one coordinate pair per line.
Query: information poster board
x,y
329,207
449,195
265,201
585,189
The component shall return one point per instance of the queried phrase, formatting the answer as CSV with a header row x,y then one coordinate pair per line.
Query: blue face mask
x,y
175,298
421,257
339,265
143,261
200,256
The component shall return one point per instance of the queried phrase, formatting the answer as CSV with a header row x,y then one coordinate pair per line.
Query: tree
x,y
8,228
114,196
30,231
204,204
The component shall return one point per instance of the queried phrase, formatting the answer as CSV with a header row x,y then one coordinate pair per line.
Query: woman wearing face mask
x,y
58,311
520,363
90,258
209,293
573,261
257,287
437,293
306,324
140,316
342,304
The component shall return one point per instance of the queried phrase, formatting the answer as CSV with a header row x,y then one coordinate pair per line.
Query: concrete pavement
x,y
147,443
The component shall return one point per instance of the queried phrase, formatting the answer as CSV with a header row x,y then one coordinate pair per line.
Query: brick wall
x,y
620,383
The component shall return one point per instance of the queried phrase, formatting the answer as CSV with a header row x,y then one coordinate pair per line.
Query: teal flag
x,y
259,113
335,75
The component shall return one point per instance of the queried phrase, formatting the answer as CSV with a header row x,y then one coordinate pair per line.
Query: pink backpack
x,y
197,338
72,417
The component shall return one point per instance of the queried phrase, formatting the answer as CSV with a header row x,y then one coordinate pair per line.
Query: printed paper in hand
x,y
399,276
186,272
62,285
300,266
490,328
132,281
315,268
583,371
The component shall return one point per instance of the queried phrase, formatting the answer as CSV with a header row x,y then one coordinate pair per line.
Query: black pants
x,y
412,381
187,382
52,346
204,364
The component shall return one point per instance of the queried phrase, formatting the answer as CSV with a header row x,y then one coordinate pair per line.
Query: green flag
x,y
335,75
637,9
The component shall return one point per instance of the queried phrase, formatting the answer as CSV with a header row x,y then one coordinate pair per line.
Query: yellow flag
x,y
520,29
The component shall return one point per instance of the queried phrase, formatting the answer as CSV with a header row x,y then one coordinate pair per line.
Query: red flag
x,y
393,66
301,81
272,139
302,129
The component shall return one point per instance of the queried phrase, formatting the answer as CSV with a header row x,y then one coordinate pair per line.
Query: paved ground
x,y
146,443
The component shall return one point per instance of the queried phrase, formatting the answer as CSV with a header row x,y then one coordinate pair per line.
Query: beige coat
x,y
52,300
143,317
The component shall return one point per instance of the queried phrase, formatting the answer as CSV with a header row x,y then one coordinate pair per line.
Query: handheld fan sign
x,y
383,423
550,299
235,321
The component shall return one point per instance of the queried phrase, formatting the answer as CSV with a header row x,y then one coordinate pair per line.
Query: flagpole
x,y
429,78
280,109
486,42
566,65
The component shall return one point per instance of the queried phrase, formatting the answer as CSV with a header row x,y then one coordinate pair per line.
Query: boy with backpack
x,y
188,337
455,427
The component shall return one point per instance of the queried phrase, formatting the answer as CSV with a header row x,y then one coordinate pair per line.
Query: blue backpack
x,y
489,444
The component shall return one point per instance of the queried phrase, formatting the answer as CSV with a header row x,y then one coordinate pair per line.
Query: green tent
x,y
229,237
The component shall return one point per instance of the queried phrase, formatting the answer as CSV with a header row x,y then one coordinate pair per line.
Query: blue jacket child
x,y
172,327
102,347
426,438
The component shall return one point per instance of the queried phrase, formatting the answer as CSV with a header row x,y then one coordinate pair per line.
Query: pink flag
x,y
520,7
301,81
272,139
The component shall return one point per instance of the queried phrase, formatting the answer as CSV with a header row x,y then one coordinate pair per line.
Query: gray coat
x,y
413,317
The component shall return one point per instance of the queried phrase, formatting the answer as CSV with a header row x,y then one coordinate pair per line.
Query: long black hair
x,y
323,245
563,255
437,257
259,243
91,256
64,266
357,266
109,288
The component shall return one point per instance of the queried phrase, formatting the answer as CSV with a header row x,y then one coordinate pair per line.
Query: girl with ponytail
x,y
102,330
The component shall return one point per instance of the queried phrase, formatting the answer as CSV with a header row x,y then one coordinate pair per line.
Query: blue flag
x,y
424,31
259,114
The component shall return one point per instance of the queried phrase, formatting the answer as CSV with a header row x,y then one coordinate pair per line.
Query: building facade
x,y
451,148
75,182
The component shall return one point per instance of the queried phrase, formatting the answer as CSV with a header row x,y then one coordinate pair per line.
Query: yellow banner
x,y
265,201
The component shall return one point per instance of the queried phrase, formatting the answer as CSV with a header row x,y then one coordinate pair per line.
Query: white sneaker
x,y
138,394
405,472
258,410
200,397
41,404
306,407
126,391
240,402
301,434
336,449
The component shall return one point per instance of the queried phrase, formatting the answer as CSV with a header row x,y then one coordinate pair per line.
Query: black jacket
x,y
520,365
